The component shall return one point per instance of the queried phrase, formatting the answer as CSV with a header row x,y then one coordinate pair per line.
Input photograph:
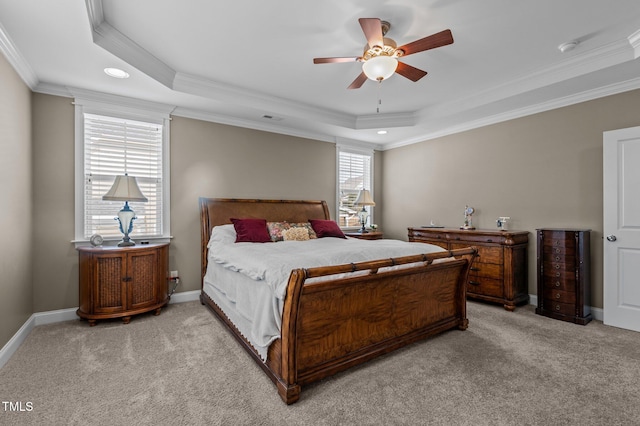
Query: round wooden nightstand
x,y
371,235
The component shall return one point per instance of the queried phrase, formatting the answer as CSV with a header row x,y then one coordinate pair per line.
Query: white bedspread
x,y
270,264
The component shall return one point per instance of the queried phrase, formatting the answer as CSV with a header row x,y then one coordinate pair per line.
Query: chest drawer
x,y
484,286
562,296
568,309
486,254
563,274
488,270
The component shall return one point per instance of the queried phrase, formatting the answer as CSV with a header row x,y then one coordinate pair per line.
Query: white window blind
x,y
115,146
354,174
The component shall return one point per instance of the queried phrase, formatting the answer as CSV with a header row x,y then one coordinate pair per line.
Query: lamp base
x,y
126,241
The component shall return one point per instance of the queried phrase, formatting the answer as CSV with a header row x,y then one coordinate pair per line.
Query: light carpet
x,y
184,368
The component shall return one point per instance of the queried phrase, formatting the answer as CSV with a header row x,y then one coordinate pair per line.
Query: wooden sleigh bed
x,y
331,325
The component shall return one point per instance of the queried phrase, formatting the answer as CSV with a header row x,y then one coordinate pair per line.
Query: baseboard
x,y
14,343
59,315
185,296
597,313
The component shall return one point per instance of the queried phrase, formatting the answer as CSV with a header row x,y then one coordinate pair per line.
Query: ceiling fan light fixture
x,y
380,68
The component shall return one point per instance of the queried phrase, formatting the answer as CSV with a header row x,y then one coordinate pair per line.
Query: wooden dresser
x,y
499,273
564,274
118,282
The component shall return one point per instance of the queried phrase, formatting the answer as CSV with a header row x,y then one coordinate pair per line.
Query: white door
x,y
622,228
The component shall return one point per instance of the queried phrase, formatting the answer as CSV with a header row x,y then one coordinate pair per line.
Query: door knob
x,y
611,238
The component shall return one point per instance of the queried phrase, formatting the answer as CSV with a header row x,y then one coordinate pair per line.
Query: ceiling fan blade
x,y
358,82
372,28
412,73
335,60
431,42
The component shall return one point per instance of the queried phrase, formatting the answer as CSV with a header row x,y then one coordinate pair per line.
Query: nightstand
x,y
118,282
371,235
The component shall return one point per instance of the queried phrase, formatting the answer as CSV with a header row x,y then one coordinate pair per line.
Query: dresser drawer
x,y
558,266
486,254
557,284
485,286
562,296
559,274
560,308
559,250
420,234
561,239
488,270
558,258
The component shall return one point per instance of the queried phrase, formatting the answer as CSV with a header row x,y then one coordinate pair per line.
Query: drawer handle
x,y
557,295
557,283
558,251
489,240
557,274
474,269
474,283
557,258
557,307
557,266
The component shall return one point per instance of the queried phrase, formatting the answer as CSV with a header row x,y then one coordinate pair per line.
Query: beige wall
x,y
55,273
543,170
215,160
207,159
16,292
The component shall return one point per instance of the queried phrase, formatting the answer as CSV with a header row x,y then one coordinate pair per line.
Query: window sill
x,y
115,241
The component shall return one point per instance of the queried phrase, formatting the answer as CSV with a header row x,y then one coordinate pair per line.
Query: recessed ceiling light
x,y
568,46
382,132
116,73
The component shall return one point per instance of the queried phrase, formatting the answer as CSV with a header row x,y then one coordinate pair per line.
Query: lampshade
x,y
380,68
125,188
364,198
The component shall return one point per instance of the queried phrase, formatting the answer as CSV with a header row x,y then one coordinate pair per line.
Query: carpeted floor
x,y
184,368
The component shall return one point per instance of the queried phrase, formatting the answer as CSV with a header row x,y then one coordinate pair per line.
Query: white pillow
x,y
225,234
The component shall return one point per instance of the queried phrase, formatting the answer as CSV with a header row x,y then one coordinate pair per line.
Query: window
x,y
354,174
112,145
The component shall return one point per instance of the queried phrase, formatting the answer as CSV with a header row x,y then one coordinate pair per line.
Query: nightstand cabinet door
x,y
109,293
563,257
499,273
120,282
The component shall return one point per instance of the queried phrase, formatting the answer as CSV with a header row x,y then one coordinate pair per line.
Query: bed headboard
x,y
219,211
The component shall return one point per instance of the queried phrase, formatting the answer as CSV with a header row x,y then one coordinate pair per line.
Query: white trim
x,y
17,61
61,315
86,101
14,343
185,296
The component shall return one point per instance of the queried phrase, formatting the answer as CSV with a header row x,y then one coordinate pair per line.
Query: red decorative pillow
x,y
326,228
251,230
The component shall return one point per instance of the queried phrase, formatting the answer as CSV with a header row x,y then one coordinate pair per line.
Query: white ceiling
x,y
236,61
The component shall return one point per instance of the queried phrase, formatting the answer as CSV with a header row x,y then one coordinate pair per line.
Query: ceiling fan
x,y
380,57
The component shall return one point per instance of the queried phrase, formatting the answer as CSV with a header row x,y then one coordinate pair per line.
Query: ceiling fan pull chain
x,y
379,97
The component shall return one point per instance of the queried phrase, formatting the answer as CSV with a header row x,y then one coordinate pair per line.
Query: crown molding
x,y
585,96
195,85
17,61
113,41
634,41
250,124
386,121
593,60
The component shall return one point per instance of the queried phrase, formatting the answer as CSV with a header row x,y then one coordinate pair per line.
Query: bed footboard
x,y
331,325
